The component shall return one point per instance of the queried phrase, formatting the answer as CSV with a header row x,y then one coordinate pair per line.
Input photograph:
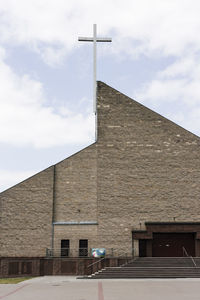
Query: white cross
x,y
95,40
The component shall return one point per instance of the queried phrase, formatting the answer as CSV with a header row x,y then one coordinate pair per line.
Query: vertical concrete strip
x,y
100,291
53,206
136,247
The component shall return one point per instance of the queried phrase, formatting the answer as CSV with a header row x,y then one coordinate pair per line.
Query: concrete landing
x,y
69,288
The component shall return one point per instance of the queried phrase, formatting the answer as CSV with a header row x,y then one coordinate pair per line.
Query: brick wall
x,y
36,266
142,168
76,199
26,216
75,187
148,169
75,233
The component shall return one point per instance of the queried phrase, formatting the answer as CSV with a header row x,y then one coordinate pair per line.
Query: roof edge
x,y
99,83
51,166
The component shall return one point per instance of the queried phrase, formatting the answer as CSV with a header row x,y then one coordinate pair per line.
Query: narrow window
x,y
64,247
83,247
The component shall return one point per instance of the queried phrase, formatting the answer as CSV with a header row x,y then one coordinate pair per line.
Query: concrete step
x,y
153,268
146,276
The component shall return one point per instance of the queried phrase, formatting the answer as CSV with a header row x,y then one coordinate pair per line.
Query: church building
x,y
134,192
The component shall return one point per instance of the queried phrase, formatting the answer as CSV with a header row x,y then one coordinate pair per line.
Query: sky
x,y
46,109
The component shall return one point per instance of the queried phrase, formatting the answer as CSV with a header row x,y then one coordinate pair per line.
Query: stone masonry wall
x,y
76,199
142,168
148,169
75,233
26,216
75,187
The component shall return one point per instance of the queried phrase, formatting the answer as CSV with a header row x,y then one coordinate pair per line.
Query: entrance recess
x,y
168,239
171,244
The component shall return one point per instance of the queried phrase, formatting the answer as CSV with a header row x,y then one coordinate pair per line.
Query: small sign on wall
x,y
98,252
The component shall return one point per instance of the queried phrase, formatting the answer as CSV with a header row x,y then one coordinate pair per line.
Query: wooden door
x,y
171,244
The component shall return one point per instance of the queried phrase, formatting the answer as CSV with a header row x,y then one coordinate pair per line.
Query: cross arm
x,y
104,40
86,39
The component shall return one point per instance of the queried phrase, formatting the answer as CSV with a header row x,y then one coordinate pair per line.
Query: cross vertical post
x,y
95,68
94,39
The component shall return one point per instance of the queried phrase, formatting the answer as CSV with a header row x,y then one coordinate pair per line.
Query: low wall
x,y
37,266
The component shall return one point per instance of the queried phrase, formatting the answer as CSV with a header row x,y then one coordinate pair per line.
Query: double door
x,y
168,245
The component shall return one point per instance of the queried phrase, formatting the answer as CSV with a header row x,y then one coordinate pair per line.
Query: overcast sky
x,y
46,74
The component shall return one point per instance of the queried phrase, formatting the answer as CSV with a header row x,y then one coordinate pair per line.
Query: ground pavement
x,y
70,288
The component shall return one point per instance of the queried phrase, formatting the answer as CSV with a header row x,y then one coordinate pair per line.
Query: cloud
x,y
144,27
178,81
176,90
26,119
155,29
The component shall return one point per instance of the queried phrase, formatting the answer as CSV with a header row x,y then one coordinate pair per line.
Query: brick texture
x,y
142,168
76,186
26,216
148,169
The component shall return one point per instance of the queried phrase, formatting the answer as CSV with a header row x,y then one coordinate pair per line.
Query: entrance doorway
x,y
171,244
142,248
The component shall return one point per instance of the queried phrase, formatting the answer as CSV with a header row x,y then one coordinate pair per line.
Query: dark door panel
x,y
171,244
142,248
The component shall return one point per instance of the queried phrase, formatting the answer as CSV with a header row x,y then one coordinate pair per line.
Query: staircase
x,y
153,267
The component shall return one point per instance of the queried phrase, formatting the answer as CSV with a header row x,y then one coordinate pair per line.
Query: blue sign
x,y
98,252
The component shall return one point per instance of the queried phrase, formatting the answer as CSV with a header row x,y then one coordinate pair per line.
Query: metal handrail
x,y
96,262
193,261
75,252
184,251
